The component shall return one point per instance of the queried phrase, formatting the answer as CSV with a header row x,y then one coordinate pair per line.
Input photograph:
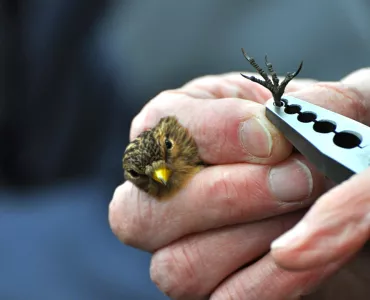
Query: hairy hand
x,y
210,240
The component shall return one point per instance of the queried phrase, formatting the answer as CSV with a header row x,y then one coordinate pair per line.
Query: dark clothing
x,y
73,73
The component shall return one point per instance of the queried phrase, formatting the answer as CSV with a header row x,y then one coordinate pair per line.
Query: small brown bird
x,y
161,160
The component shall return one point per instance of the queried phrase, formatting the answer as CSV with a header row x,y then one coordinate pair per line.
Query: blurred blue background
x,y
73,74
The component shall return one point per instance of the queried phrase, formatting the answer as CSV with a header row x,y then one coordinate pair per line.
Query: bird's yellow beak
x,y
162,175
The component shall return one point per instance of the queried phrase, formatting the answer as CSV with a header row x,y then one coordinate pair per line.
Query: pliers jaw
x,y
335,144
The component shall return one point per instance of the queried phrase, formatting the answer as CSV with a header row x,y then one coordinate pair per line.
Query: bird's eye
x,y
133,173
168,144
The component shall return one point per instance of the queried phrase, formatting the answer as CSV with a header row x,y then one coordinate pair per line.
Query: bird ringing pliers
x,y
338,146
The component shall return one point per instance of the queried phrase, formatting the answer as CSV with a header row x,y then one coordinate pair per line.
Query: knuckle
x,y
223,186
233,290
138,119
353,103
160,97
138,123
356,101
221,139
215,137
173,270
145,116
167,95
160,105
226,190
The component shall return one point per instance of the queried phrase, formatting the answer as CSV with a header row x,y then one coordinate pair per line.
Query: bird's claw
x,y
273,86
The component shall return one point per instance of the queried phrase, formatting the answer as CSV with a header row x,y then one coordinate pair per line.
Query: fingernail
x,y
291,181
255,138
291,237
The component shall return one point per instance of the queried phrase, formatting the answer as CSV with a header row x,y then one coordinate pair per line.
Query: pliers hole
x,y
292,109
307,117
324,127
347,140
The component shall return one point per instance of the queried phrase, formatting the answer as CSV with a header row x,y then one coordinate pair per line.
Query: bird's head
x,y
160,160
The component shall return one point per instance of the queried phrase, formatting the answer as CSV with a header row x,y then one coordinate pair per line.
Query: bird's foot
x,y
273,86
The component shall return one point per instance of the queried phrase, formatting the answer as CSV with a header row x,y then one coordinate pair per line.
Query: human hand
x,y
338,225
229,213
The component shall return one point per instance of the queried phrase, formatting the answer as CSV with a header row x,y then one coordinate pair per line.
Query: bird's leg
x,y
273,86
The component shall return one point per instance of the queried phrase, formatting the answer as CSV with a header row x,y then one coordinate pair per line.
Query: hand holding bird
x,y
208,240
161,160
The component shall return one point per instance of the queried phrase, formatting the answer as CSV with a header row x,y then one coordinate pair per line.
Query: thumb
x,y
338,225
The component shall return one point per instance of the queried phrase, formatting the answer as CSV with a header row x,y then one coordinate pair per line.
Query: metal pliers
x,y
338,146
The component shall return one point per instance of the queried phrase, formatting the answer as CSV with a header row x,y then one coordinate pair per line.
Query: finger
x,y
350,97
198,263
337,225
265,280
217,196
233,85
359,80
226,131
231,130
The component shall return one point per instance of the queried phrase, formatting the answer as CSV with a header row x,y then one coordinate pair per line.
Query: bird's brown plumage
x,y
167,146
